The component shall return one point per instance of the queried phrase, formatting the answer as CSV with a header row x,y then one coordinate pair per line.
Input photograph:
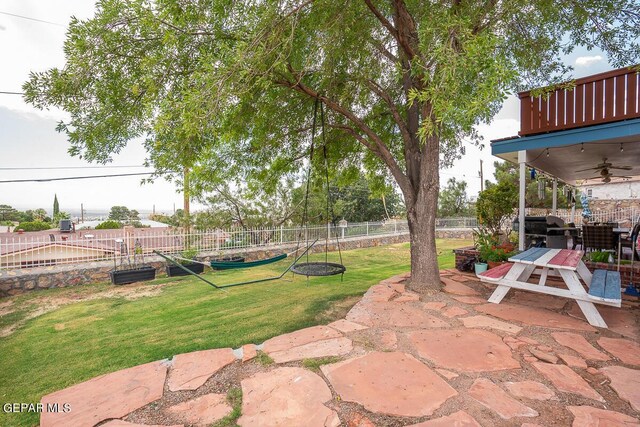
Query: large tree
x,y
228,86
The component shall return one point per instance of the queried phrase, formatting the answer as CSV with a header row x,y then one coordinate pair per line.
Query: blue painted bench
x,y
606,284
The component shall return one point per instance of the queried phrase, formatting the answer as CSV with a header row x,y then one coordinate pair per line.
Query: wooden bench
x,y
495,274
606,284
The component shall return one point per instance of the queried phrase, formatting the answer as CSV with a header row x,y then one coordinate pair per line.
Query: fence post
x,y
367,228
281,233
395,226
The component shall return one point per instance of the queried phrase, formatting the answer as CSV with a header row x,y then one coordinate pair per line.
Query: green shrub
x,y
33,226
597,256
109,225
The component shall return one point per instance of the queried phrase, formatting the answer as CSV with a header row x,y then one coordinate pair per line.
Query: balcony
x,y
593,100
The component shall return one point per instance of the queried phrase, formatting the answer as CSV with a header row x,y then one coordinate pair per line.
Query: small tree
x,y
56,206
119,213
453,199
495,205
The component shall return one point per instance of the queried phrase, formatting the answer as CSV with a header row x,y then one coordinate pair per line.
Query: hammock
x,y
230,265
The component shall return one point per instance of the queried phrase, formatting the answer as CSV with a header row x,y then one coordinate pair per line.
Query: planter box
x,y
122,277
174,270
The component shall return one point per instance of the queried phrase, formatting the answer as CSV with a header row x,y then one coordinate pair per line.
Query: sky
x,y
28,138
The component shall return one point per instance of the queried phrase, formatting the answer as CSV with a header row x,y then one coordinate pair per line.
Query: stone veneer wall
x,y
625,269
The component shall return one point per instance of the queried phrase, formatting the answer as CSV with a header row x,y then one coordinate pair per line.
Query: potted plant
x,y
128,271
498,254
482,240
186,259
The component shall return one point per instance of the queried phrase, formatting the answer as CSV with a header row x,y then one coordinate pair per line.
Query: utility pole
x,y
81,212
481,177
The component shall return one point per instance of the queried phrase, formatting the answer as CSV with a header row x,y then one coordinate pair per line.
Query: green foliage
x,y
597,256
453,200
33,226
109,225
264,359
56,206
123,214
7,213
234,398
489,248
55,222
508,172
314,364
227,89
190,253
496,205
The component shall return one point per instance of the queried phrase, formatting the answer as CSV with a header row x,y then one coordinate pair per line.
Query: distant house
x,y
620,190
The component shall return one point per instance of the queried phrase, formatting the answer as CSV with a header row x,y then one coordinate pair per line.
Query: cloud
x,y
585,61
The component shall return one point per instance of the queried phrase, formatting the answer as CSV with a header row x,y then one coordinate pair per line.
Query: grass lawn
x,y
96,331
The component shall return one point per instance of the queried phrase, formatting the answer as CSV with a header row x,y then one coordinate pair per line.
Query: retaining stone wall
x,y
13,282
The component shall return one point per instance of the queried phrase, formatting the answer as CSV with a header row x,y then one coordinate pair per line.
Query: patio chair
x,y
627,242
598,237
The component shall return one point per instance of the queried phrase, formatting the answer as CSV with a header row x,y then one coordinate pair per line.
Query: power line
x,y
75,177
4,92
32,19
68,167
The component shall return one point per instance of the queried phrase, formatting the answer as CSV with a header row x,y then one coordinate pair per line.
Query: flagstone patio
x,y
447,360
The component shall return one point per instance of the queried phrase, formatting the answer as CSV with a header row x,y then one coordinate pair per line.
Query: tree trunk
x,y
425,275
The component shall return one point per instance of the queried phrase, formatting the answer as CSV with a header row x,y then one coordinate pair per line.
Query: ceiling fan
x,y
605,173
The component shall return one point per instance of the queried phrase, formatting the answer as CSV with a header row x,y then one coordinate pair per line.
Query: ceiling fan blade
x,y
625,168
589,169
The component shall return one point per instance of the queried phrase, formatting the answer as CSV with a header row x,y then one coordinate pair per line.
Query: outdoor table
x,y
569,265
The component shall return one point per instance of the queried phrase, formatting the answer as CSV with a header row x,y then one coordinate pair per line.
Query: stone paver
x,y
249,351
482,321
620,320
543,355
390,383
625,350
300,337
192,370
565,379
534,316
454,311
531,299
530,390
286,397
380,293
494,398
457,419
322,348
202,411
447,374
344,326
457,288
625,382
434,305
359,420
580,345
587,416
407,297
466,350
121,423
470,300
392,315
387,340
108,396
573,361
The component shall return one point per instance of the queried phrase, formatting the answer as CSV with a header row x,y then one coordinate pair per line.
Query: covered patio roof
x,y
571,151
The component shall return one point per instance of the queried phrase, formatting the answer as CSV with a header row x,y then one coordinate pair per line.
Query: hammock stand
x,y
173,260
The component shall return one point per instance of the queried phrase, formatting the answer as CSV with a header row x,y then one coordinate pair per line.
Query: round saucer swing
x,y
319,268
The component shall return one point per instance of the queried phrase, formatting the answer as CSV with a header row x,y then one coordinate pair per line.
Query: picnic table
x,y
604,287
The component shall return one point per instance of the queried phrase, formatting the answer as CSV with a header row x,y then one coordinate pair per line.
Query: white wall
x,y
614,191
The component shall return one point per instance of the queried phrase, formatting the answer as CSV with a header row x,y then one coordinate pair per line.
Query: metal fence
x,y
42,249
630,214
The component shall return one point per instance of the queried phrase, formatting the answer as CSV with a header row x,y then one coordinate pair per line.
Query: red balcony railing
x,y
601,98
